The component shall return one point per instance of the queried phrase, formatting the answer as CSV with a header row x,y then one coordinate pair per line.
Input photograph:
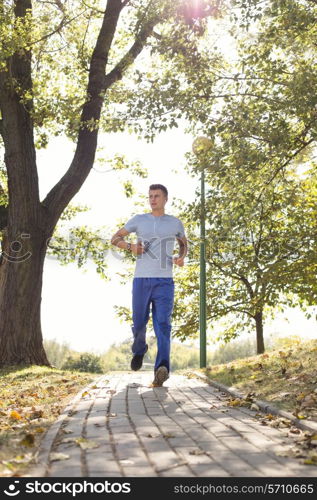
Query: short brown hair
x,y
159,186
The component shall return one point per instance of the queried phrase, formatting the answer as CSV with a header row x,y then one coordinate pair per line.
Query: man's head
x,y
158,196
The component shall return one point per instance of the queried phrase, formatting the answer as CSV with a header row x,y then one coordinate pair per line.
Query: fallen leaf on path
x,y
15,415
28,440
309,461
294,430
68,440
196,452
36,414
54,457
86,444
254,407
234,402
22,459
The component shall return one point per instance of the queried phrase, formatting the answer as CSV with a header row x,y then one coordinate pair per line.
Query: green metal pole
x,y
202,295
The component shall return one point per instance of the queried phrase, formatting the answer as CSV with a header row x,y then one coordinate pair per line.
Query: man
x,y
153,278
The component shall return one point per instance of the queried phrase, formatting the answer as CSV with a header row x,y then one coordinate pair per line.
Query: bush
x,y
85,362
56,353
236,349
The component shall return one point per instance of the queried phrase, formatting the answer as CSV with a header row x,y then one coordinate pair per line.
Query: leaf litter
x,y
30,400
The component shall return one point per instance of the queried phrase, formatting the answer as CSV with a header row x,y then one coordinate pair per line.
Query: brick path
x,y
183,429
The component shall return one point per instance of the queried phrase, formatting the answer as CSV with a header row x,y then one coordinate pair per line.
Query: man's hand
x,y
137,248
179,261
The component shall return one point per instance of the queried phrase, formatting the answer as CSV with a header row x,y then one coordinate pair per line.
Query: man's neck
x,y
158,213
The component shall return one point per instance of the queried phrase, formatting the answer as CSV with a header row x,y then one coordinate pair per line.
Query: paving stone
x,y
234,441
136,455
84,406
261,458
135,472
93,432
101,439
238,468
209,470
140,462
238,444
108,474
180,442
155,447
260,440
164,459
182,471
201,434
101,461
59,470
194,455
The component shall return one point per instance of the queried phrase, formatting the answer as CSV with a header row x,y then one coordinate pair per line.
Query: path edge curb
x,y
265,406
39,469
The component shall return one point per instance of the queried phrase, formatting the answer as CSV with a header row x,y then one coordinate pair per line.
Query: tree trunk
x,y
259,332
21,274
30,222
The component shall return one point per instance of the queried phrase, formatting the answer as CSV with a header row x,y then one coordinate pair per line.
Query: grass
x,y
287,377
31,399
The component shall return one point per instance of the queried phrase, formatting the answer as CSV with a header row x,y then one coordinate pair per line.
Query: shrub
x,y
85,362
56,353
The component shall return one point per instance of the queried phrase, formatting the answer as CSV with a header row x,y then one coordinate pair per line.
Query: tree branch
x,y
248,285
3,212
64,22
61,194
287,162
131,55
63,191
3,217
17,129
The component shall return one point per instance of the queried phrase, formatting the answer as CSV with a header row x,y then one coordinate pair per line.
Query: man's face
x,y
157,199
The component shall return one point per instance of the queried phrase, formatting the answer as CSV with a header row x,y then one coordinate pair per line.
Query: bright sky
x,y
77,306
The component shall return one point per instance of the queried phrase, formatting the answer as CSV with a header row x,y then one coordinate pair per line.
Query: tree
x,y
41,94
256,250
85,362
260,108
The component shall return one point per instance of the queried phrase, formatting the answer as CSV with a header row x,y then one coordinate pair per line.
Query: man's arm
x,y
119,241
183,247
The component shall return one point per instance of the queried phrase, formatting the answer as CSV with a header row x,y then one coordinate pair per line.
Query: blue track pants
x,y
158,292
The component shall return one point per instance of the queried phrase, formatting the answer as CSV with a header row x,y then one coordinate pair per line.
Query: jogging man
x,y
153,282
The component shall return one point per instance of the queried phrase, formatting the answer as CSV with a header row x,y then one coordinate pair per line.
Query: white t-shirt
x,y
158,234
